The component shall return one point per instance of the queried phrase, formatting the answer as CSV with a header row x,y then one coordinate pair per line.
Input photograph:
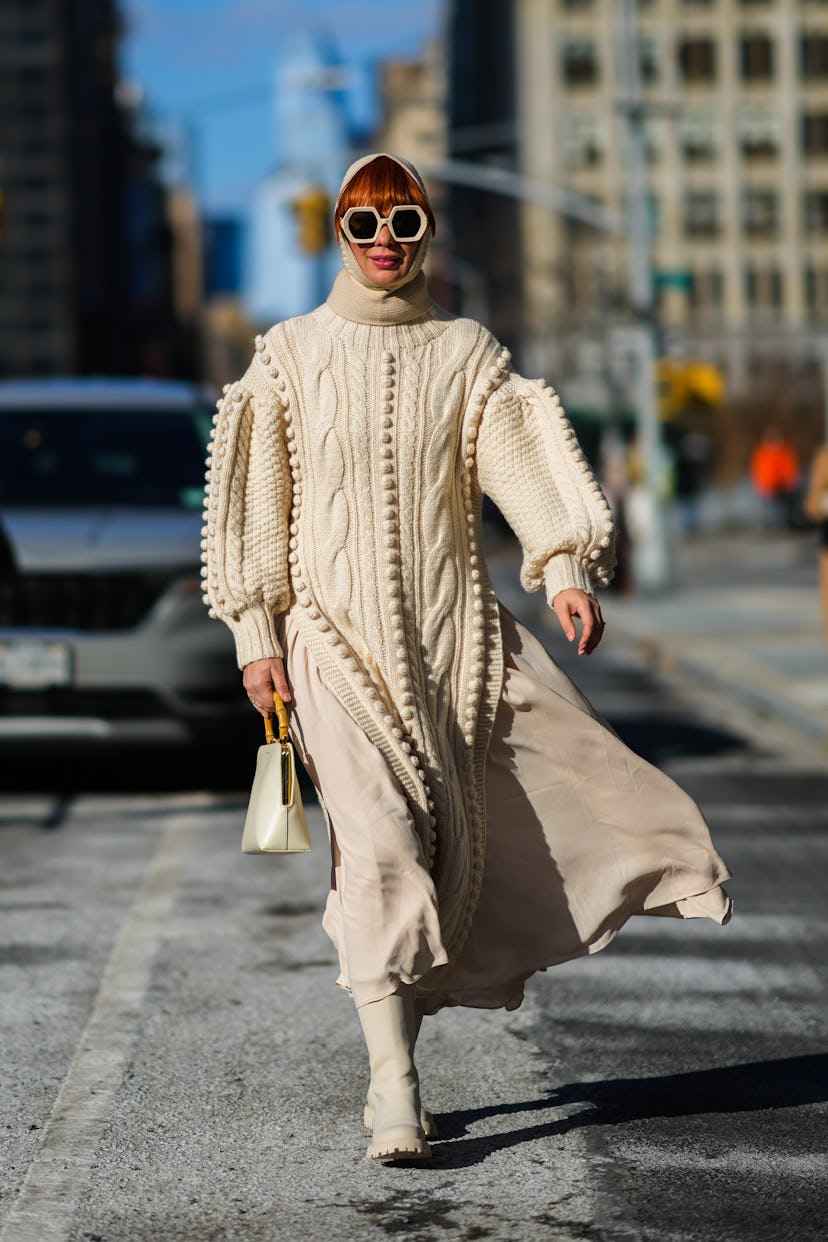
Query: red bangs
x,y
382,184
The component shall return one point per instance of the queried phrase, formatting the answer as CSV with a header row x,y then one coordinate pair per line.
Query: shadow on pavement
x,y
65,770
72,769
753,1087
658,739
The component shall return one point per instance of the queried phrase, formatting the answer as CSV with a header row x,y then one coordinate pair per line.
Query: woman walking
x,y
484,823
816,507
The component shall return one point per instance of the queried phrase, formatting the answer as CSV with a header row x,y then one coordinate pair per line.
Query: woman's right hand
x,y
261,677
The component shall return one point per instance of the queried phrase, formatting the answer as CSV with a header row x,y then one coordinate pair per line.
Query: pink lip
x,y
386,261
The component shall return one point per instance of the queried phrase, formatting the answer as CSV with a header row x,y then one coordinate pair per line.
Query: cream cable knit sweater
x,y
344,483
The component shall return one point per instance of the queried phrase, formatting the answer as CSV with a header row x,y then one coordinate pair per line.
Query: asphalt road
x,y
178,1064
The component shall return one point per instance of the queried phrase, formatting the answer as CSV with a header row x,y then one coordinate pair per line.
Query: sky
x,y
205,68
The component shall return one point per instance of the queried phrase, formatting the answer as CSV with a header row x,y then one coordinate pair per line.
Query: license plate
x,y
35,665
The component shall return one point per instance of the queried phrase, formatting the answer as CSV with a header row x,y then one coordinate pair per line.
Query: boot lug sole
x,y
419,1150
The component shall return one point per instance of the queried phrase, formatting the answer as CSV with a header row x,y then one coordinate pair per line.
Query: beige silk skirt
x,y
581,834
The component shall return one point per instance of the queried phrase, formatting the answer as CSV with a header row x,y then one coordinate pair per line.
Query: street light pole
x,y
651,537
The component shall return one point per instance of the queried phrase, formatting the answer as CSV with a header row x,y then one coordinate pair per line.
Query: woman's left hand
x,y
576,603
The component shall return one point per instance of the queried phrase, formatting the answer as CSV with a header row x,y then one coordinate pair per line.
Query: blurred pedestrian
x,y
692,458
816,506
484,823
774,471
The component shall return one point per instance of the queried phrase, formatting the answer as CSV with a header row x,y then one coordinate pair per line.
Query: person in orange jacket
x,y
774,472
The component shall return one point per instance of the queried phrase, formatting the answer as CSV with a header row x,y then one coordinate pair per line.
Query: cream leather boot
x,y
388,1026
427,1121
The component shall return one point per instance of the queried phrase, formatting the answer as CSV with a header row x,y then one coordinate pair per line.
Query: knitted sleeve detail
x,y
247,507
530,462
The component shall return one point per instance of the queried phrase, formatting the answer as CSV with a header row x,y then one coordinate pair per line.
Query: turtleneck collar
x,y
357,298
372,305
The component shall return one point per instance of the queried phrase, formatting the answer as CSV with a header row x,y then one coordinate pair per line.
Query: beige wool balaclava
x,y
357,298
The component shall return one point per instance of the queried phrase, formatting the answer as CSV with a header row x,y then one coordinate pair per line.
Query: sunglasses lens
x,y
363,225
406,224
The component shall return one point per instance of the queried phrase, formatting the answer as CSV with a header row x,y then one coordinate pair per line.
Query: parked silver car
x,y
103,633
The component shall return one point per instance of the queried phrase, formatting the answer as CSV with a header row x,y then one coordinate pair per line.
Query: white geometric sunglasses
x,y
406,223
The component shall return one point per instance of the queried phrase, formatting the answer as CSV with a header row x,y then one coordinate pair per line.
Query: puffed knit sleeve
x,y
530,463
247,506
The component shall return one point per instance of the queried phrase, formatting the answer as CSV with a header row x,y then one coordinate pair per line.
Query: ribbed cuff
x,y
562,572
255,635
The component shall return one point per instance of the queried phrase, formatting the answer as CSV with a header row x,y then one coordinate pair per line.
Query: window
x,y
707,290
715,288
649,60
816,212
697,59
701,213
764,288
36,258
816,289
26,36
580,62
700,135
37,217
759,133
654,137
756,57
813,56
815,133
36,144
760,212
583,139
43,288
776,288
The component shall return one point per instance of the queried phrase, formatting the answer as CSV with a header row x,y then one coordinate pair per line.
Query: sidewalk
x,y
743,617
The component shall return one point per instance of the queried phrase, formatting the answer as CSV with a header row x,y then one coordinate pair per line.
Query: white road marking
x,y
56,1179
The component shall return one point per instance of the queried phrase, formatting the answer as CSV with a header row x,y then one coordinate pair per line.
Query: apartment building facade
x,y
736,125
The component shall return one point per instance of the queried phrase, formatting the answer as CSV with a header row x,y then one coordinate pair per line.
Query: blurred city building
x,y
222,238
412,96
483,121
226,329
736,125
90,278
315,126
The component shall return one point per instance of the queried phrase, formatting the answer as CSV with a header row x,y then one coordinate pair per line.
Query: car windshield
x,y
103,457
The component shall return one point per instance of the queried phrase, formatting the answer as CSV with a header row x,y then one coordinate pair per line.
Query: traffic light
x,y
313,213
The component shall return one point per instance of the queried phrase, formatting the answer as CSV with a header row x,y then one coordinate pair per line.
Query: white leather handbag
x,y
275,821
